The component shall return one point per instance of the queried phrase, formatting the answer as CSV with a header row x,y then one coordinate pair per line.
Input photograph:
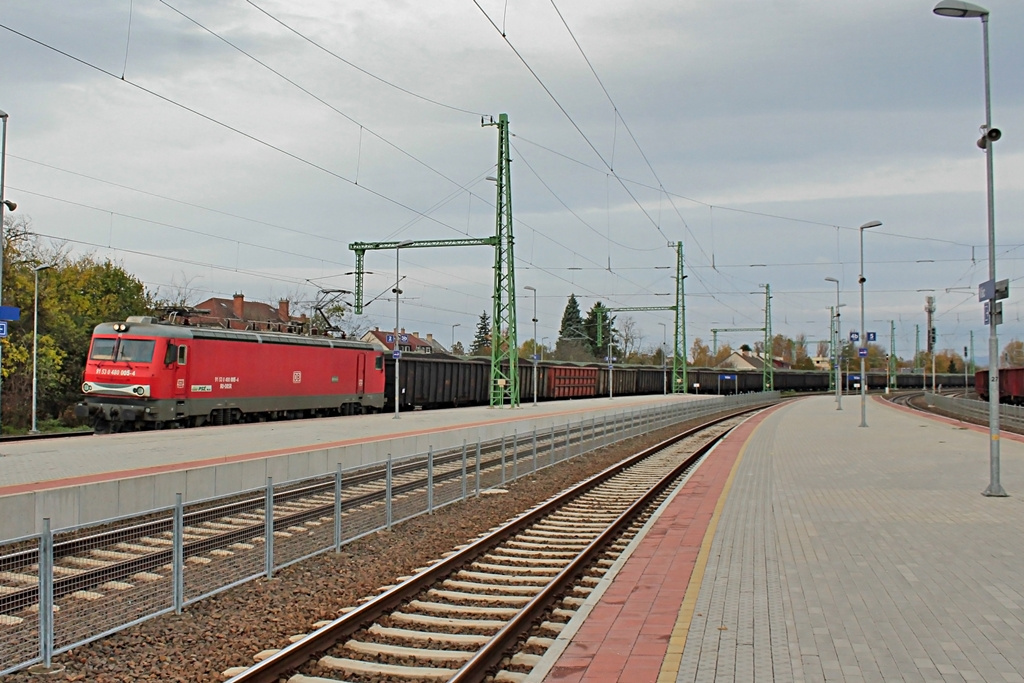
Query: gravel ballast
x,y
228,629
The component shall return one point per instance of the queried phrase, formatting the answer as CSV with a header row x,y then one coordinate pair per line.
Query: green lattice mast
x,y
768,372
679,379
504,343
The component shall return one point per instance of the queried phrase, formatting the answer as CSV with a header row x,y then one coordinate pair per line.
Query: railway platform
x,y
85,479
806,548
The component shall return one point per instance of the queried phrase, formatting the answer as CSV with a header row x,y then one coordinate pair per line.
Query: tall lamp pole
x,y
959,9
664,359
863,334
835,348
454,325
4,204
35,342
398,294
534,356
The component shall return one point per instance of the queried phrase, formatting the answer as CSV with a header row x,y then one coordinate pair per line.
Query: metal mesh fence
x,y
19,604
110,575
106,578
1008,414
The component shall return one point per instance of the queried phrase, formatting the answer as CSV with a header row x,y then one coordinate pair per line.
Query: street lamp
x,y
835,347
543,345
35,342
863,334
454,325
534,290
959,9
664,360
4,203
398,293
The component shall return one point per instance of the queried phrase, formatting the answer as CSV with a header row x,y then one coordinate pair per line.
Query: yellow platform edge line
x,y
670,665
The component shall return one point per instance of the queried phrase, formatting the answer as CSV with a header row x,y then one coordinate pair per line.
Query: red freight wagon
x,y
1011,385
145,374
571,381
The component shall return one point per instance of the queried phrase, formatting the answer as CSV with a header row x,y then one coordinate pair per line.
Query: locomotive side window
x,y
102,349
379,363
136,350
171,354
182,355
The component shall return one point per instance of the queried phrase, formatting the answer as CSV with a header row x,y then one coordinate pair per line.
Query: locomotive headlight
x,y
140,390
86,387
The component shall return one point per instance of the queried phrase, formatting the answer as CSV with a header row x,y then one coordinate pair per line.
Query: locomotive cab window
x,y
136,351
171,353
103,348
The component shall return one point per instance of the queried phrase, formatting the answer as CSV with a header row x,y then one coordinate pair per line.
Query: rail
x,y
63,588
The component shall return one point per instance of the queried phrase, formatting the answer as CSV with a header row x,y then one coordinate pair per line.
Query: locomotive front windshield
x,y
123,350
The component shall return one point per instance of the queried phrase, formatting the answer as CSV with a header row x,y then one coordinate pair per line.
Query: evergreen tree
x,y
572,322
572,339
481,345
607,331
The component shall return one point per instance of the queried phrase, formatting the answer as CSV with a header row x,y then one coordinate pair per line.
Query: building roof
x,y
407,341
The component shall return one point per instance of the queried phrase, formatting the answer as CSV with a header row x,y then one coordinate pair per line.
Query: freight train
x,y
1011,385
144,374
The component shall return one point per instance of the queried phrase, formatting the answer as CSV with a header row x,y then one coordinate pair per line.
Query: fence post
x,y
268,523
178,561
515,454
430,479
534,448
502,459
464,477
568,435
476,466
337,509
46,594
387,496
552,444
604,430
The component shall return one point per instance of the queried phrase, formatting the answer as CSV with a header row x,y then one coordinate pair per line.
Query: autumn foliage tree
x,y
75,294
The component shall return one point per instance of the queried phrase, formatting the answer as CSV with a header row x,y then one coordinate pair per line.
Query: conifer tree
x,y
482,339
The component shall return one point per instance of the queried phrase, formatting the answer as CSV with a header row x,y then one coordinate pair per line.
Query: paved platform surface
x,y
38,465
811,549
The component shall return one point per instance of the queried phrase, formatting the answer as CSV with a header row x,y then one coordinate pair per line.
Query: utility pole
x,y
504,341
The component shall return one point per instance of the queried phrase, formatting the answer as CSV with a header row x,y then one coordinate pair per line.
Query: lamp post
x,y
454,325
664,360
398,293
35,342
534,290
544,345
835,347
960,9
4,203
863,333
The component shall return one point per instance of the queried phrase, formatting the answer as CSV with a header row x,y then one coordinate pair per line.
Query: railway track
x,y
492,607
132,562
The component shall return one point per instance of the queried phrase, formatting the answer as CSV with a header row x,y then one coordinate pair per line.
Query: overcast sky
x,y
240,146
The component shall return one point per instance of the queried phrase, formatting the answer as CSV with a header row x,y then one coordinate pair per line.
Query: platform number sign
x,y
389,338
3,329
872,336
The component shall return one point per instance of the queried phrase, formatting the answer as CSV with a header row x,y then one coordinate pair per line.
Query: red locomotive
x,y
143,374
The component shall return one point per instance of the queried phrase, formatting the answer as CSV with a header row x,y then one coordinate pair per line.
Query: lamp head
x,y
871,224
532,289
403,243
959,9
10,205
831,279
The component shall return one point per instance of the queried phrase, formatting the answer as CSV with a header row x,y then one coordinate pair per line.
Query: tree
x,y
457,349
481,345
724,351
572,341
609,334
74,296
1013,354
700,353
